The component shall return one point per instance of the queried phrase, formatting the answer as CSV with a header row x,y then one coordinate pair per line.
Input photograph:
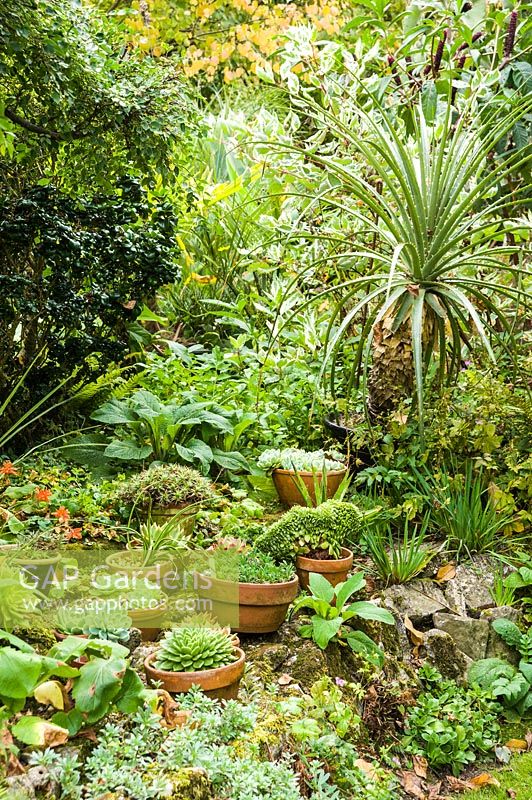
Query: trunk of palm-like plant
x,y
391,377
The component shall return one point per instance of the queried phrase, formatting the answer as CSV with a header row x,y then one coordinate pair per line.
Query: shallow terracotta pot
x,y
221,683
115,562
257,608
285,482
334,569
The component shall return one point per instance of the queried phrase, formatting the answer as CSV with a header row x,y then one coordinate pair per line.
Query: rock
x,y
501,612
138,656
443,654
418,600
135,639
34,780
497,647
469,590
273,656
469,635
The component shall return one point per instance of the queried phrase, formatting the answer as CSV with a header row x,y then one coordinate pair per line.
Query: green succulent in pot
x,y
164,485
192,648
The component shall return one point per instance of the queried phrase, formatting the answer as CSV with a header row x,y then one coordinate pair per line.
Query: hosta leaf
x,y
19,673
128,450
115,412
131,695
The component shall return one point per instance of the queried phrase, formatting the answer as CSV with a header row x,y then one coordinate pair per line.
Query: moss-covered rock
x,y
190,783
38,636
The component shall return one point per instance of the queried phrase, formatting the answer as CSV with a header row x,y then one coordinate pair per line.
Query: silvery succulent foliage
x,y
123,762
301,460
193,648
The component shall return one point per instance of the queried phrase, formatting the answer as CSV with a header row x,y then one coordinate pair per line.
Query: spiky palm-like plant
x,y
432,202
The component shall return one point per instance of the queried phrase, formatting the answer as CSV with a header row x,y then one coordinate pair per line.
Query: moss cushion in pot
x,y
197,656
335,570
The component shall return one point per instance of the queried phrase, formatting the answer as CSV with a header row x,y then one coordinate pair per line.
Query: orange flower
x,y
62,514
43,495
8,468
74,533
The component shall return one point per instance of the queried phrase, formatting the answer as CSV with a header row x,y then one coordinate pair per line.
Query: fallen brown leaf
x,y
172,715
88,733
284,679
457,785
528,739
484,779
434,791
413,785
420,766
366,766
416,637
446,573
517,744
511,793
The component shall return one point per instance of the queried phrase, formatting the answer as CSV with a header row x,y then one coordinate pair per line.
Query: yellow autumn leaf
x,y
50,693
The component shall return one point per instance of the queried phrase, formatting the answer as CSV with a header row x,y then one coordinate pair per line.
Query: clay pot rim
x,y
305,472
21,561
251,586
60,636
347,556
201,675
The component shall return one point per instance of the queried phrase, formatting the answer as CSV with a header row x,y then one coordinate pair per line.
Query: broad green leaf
x,y
367,610
19,673
115,412
323,630
128,450
98,683
320,587
131,695
349,587
38,732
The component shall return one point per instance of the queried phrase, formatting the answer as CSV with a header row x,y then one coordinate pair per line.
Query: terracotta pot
x,y
289,494
148,621
60,636
221,683
156,573
41,572
334,569
187,519
258,607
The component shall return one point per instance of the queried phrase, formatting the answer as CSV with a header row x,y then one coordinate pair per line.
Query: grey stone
x,y
469,590
442,652
34,780
419,600
469,635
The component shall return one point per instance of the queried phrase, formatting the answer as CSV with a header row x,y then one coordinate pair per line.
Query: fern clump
x,y
192,648
327,527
